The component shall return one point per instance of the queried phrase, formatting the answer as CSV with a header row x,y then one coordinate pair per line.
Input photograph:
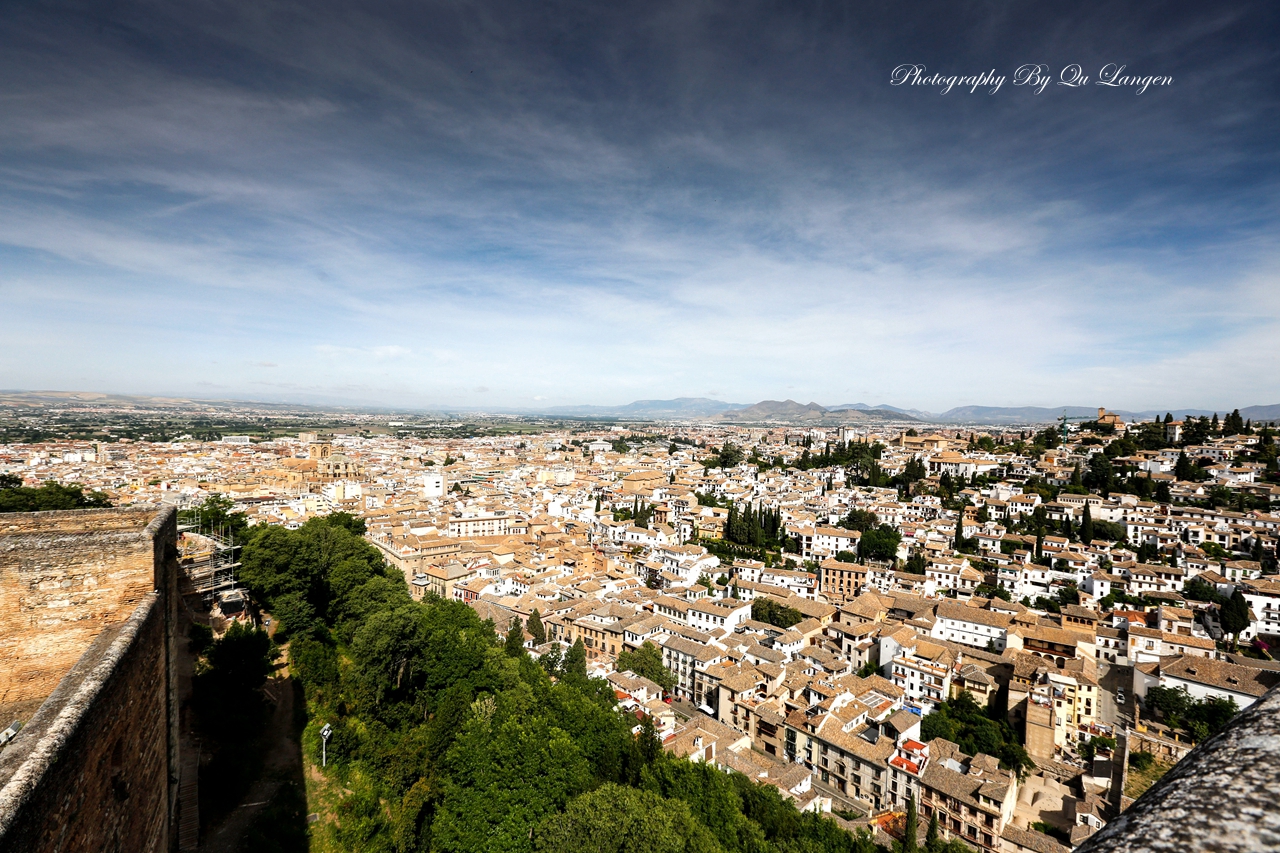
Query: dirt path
x,y
282,762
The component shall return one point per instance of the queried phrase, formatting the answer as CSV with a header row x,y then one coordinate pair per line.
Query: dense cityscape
x,y
996,637
639,427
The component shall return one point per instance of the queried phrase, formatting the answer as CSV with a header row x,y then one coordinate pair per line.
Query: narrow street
x,y
1113,677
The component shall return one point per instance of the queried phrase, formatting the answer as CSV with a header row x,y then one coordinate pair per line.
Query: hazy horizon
x,y
320,402
504,205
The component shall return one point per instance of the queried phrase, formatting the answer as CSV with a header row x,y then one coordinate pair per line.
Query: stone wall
x,y
64,576
1220,798
95,768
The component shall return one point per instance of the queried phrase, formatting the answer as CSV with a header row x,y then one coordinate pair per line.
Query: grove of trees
x,y
963,722
449,739
15,497
646,662
1200,718
765,609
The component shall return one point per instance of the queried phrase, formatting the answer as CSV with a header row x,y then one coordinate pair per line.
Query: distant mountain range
x,y
681,408
915,413
678,409
789,411
93,399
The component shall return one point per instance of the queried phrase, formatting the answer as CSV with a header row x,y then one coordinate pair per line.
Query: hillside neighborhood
x,y
1012,629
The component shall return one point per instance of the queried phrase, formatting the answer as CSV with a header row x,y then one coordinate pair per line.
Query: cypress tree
x,y
1182,467
1086,526
959,529
536,628
575,660
910,844
932,839
515,638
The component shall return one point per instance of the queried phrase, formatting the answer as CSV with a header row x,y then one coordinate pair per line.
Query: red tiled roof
x,y
909,766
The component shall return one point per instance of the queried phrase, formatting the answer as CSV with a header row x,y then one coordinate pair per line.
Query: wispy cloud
x,y
603,204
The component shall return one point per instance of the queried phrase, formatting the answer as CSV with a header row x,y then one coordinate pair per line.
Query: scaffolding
x,y
210,560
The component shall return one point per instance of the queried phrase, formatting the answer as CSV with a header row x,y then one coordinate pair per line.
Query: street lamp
x,y
324,743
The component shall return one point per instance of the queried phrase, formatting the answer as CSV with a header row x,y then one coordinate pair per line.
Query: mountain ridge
x,y
676,409
789,411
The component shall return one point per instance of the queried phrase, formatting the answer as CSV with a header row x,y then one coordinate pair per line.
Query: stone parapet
x,y
1221,797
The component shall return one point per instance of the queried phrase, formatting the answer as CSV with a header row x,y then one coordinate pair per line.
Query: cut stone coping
x,y
1221,797
44,739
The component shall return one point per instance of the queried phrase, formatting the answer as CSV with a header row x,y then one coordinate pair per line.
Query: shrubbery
x,y
449,741
962,721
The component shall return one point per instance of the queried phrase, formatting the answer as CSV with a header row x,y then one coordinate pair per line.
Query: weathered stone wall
x,y
95,769
64,576
1220,798
92,774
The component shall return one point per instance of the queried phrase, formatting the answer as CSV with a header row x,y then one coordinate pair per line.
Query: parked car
x,y
1119,697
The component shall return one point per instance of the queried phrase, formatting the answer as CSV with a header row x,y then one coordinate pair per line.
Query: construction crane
x,y
1063,422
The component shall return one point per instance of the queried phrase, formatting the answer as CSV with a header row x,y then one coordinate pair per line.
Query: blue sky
x,y
514,204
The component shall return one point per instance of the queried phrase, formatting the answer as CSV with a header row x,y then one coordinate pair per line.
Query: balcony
x,y
1219,798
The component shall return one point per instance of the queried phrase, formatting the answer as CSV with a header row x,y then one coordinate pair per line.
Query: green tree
x,y
325,562
1234,615
1201,718
294,616
240,661
880,543
616,819
911,828
1086,525
215,515
505,773
1088,749
932,838
575,660
1101,475
774,612
963,722
859,519
1182,467
646,662
536,628
514,644
14,497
